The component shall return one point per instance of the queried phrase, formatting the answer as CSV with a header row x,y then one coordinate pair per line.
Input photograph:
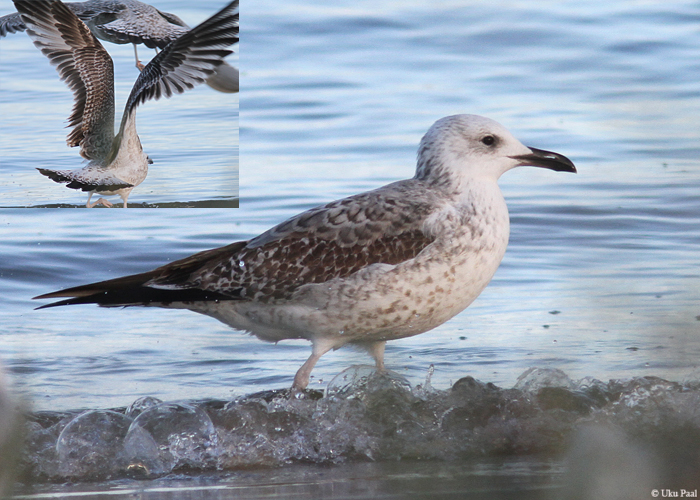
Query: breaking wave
x,y
368,416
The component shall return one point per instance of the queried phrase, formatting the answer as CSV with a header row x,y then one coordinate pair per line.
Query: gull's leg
x,y
138,63
125,197
376,350
88,202
301,379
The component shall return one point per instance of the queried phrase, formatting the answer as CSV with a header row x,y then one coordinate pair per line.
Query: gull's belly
x,y
409,299
131,168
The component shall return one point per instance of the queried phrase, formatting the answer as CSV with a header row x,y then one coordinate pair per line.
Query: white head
x,y
462,147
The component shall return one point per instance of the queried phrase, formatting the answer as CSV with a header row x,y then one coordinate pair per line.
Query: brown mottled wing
x,y
333,241
276,270
83,64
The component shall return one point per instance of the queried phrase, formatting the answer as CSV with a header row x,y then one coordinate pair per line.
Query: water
x,y
192,138
475,437
601,275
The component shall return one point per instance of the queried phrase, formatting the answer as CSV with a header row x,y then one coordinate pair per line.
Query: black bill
x,y
546,159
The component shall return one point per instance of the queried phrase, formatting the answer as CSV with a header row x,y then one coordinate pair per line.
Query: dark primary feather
x,y
133,289
332,241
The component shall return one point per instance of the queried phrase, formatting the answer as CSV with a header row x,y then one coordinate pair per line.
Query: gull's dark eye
x,y
489,140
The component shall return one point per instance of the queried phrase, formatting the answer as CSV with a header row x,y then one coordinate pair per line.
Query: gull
x,y
117,163
382,265
130,21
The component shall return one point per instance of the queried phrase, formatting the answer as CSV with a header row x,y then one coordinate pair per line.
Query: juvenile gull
x,y
381,265
130,21
117,163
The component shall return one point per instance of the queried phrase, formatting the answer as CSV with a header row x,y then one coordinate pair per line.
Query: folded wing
x,y
329,242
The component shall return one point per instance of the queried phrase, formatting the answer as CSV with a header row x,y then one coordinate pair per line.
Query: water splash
x,y
364,415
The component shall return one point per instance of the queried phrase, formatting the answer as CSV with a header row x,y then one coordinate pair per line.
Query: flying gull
x,y
130,21
377,266
118,163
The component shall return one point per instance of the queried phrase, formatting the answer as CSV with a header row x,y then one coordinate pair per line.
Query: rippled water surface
x,y
601,276
192,138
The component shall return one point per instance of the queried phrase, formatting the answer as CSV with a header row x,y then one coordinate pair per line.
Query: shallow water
x,y
192,138
350,481
601,276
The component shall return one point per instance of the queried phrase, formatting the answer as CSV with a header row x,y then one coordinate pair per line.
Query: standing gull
x,y
117,163
377,266
130,21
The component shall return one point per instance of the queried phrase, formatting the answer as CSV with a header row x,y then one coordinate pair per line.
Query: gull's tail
x,y
73,180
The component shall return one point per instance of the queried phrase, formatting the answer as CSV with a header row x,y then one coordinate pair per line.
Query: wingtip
x,y
45,296
53,304
44,306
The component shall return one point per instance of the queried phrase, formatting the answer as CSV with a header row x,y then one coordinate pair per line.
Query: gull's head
x,y
463,147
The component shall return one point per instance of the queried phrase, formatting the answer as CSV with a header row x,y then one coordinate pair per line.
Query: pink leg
x,y
301,379
138,63
376,350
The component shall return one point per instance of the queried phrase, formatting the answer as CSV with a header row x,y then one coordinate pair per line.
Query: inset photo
x,y
118,104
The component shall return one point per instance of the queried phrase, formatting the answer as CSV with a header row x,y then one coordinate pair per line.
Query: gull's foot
x,y
101,201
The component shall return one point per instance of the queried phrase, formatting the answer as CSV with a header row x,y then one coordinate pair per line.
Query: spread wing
x,y
83,64
182,64
187,61
384,226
